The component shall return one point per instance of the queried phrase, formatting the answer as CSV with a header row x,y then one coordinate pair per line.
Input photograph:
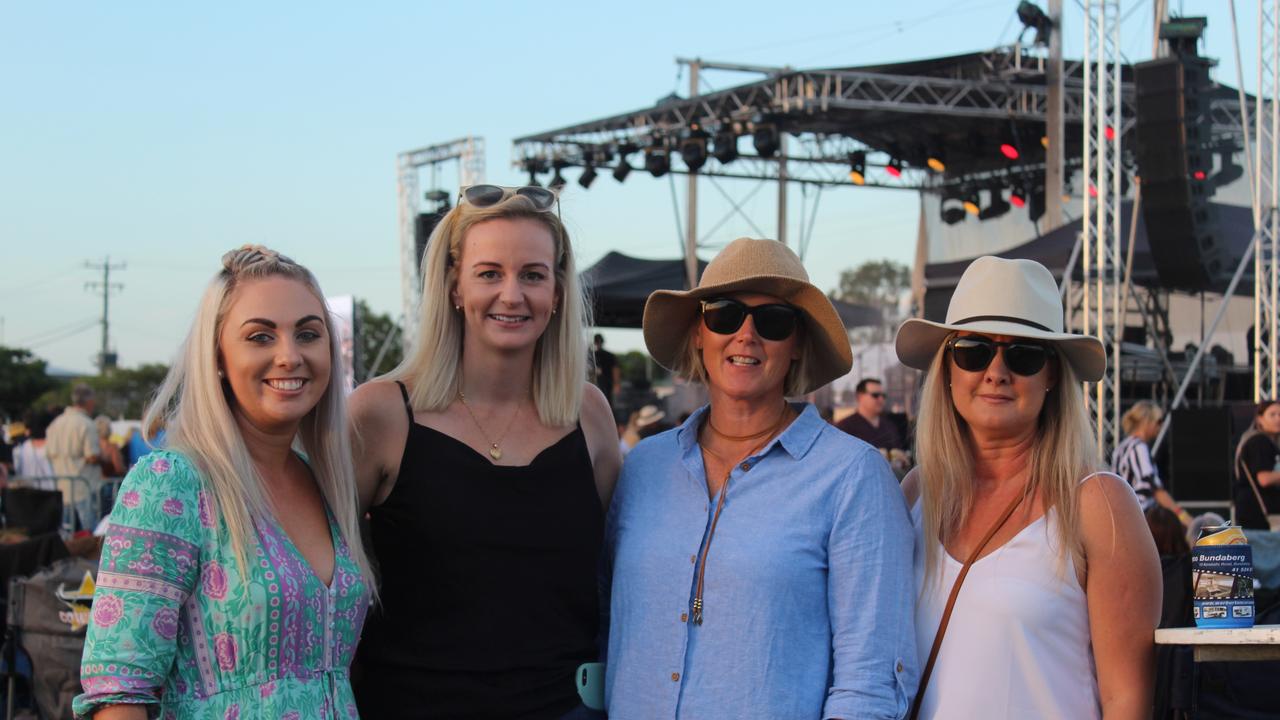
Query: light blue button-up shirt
x,y
808,598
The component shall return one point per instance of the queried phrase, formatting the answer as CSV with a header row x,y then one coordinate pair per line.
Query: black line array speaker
x,y
1175,161
1200,454
423,225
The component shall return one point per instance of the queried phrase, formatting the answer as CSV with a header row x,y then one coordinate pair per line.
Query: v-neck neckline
x,y
334,539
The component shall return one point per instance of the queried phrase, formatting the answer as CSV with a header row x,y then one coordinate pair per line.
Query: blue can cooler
x,y
1222,579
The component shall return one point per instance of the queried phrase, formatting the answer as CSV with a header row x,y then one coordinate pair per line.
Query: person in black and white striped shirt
x,y
1132,458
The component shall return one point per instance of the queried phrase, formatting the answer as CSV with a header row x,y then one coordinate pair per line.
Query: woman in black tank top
x,y
486,461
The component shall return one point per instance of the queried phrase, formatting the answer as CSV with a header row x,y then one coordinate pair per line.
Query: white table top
x,y
1260,642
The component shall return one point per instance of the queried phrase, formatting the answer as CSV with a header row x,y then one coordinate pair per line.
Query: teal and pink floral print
x,y
177,623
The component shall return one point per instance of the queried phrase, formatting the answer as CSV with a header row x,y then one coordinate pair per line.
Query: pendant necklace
x,y
495,451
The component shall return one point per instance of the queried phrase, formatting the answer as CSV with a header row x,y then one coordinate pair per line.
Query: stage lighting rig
x,y
950,208
656,160
693,149
1033,18
587,177
765,137
1009,145
624,168
1018,194
936,158
534,166
725,148
971,201
557,182
858,167
996,204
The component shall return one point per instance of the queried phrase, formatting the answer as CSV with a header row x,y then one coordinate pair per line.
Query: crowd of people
x,y
527,553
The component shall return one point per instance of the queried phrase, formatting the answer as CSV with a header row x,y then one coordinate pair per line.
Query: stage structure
x,y
469,153
1266,203
1101,314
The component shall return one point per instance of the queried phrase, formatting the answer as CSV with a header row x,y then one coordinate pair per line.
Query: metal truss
x,y
469,152
1266,200
1101,314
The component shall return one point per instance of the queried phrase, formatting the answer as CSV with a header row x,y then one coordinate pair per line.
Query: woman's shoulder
x,y
374,402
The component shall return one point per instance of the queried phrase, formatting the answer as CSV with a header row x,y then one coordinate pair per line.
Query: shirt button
x,y
693,559
675,677
899,667
684,617
745,466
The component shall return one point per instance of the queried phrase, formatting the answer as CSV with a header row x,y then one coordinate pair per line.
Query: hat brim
x,y
669,315
918,341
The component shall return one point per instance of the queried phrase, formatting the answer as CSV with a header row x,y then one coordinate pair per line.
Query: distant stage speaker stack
x,y
424,224
1200,454
1175,162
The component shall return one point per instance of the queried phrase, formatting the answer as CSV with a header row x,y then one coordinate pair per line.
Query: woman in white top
x,y
1056,616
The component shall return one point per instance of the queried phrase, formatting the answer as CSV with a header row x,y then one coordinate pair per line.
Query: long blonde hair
x,y
194,407
432,370
1063,454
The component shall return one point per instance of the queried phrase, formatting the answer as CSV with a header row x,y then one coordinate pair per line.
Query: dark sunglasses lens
x,y
541,198
484,195
971,355
1025,359
723,317
774,322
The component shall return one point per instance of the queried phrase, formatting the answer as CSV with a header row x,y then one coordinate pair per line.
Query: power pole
x,y
106,359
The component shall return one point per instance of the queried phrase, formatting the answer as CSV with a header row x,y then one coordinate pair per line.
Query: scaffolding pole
x,y
1266,200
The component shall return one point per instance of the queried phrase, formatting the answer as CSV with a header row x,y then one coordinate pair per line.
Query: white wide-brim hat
x,y
996,296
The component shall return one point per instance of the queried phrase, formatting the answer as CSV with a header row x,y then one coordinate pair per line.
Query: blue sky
x,y
163,134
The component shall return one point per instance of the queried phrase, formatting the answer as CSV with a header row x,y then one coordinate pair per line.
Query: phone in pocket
x,y
590,681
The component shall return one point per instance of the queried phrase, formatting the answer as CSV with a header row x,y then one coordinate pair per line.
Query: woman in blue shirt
x,y
760,557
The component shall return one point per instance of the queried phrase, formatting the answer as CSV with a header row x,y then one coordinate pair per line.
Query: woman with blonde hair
x,y
761,557
1039,582
233,582
486,460
1131,459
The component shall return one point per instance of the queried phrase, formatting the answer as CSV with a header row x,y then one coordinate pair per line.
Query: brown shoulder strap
x,y
951,602
1253,485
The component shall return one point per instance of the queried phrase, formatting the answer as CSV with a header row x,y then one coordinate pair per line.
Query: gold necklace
x,y
743,438
495,452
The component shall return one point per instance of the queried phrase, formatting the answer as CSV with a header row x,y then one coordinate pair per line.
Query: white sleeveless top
x,y
1018,643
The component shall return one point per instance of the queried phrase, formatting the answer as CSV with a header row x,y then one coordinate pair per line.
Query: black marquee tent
x,y
618,286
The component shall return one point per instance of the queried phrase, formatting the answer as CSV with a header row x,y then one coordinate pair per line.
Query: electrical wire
x,y
62,336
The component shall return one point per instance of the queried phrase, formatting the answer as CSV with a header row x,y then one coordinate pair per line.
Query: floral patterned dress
x,y
175,624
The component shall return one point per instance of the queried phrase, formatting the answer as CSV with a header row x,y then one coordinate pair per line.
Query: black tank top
x,y
488,583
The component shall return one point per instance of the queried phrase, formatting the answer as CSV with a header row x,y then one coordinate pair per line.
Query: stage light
x,y
996,205
971,202
858,167
1009,145
1035,204
588,176
656,161
1109,132
1228,170
557,182
936,159
1033,18
765,139
534,166
1018,195
624,168
725,150
693,149
950,207
894,168
1199,175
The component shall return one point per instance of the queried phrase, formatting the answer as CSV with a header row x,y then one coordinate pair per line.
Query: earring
x,y
458,308
221,374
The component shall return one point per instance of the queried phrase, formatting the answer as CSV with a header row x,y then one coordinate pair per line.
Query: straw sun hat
x,y
761,266
1003,297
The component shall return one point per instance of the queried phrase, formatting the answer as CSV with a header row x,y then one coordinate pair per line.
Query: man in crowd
x,y
73,450
608,376
868,423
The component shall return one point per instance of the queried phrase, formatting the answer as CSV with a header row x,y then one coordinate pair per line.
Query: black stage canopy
x,y
618,286
1053,250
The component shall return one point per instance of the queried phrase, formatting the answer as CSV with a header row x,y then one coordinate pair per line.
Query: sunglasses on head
x,y
774,321
483,196
973,353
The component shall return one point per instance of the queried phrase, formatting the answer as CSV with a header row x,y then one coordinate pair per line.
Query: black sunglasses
x,y
483,196
774,321
975,353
